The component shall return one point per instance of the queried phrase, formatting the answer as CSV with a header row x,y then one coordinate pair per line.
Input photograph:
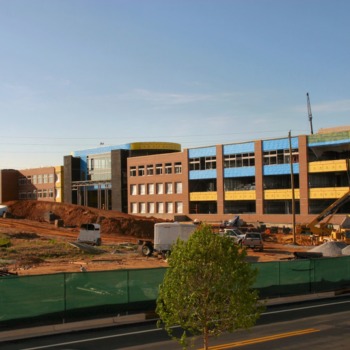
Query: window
x,y
22,195
210,163
35,179
40,179
44,193
160,207
46,178
150,169
159,188
51,178
178,187
150,188
178,207
195,164
51,193
133,171
168,168
169,207
133,208
141,170
159,169
239,160
142,189
133,190
280,156
142,208
40,194
151,208
169,188
178,168
22,180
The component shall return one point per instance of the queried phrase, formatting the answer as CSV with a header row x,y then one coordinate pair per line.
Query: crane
x,y
309,112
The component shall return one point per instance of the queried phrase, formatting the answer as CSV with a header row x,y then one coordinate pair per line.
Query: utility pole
x,y
309,112
292,185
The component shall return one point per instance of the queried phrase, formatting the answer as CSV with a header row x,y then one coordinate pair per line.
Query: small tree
x,y
207,288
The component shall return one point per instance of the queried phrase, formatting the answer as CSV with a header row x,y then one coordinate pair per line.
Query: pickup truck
x,y
235,234
253,240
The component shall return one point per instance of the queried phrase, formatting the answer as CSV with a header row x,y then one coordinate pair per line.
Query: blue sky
x,y
75,73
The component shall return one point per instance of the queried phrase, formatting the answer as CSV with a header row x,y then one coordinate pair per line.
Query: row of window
x,y
280,156
37,194
156,169
37,179
158,188
156,208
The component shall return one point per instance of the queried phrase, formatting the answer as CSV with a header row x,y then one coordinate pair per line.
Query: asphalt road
x,y
319,324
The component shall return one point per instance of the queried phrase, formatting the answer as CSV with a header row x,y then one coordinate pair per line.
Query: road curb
x,y
33,332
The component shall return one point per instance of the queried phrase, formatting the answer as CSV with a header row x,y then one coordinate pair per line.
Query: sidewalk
x,y
24,333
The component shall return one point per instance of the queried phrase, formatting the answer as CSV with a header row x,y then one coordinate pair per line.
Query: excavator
x,y
323,230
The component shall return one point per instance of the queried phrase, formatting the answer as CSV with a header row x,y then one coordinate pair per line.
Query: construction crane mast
x,y
309,112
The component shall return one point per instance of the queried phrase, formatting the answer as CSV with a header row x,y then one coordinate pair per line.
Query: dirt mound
x,y
112,222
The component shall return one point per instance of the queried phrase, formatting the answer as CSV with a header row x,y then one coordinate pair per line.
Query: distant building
x,y
43,183
251,179
98,177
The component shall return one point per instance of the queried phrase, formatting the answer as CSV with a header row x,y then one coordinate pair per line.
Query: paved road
x,y
319,324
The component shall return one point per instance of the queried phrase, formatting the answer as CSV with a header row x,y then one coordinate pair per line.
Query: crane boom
x,y
309,112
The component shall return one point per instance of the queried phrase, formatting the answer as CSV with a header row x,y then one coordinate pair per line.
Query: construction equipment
x,y
309,112
321,229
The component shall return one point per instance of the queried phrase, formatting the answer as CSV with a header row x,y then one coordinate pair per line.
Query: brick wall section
x,y
220,179
8,185
159,179
259,182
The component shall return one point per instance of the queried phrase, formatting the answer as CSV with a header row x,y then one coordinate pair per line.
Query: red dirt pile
x,y
112,222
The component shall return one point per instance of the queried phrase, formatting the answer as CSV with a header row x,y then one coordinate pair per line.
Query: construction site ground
x,y
30,245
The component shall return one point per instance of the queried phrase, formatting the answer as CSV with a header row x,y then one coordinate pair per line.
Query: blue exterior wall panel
x,y
280,169
239,148
272,145
202,152
202,174
239,172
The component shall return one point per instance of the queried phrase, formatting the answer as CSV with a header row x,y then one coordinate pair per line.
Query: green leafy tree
x,y
207,289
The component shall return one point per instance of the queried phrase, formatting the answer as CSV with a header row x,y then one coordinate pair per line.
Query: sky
x,y
75,74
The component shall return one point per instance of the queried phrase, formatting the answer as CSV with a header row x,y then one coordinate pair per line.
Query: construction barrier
x,y
67,297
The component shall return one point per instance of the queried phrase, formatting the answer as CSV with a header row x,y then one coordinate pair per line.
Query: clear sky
x,y
77,73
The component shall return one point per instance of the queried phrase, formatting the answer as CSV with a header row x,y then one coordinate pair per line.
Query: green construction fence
x,y
66,297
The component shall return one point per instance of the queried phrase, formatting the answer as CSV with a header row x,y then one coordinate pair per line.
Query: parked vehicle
x,y
234,233
165,235
90,233
253,240
3,210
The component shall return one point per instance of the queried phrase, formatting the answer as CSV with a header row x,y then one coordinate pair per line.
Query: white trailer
x,y
90,233
165,235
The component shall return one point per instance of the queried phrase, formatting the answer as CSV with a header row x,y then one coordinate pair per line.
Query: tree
x,y
207,288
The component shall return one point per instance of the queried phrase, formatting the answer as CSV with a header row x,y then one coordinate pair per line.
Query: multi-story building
x,y
251,179
98,177
44,183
